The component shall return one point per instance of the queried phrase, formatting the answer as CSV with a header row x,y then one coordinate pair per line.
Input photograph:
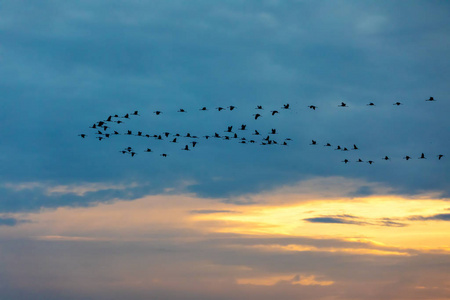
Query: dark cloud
x,y
84,61
5,221
437,217
349,219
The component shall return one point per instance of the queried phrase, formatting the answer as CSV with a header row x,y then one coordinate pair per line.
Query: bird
x,y
157,112
181,110
193,144
345,149
231,107
186,148
126,116
174,140
220,108
439,156
343,105
359,160
422,156
257,116
148,150
370,162
256,132
327,145
338,147
354,147
431,99
135,113
108,119
203,108
397,103
386,158
286,106
345,161
370,104
273,131
313,142
259,107
274,112
133,154
407,157
243,126
229,129
313,107
164,155
83,135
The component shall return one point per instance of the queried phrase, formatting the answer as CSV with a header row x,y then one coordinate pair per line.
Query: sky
x,y
226,219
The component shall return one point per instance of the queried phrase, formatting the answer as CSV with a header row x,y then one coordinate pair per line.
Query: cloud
x,y
211,211
353,220
436,217
6,221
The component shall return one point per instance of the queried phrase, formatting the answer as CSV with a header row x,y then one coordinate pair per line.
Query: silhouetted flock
x,y
106,129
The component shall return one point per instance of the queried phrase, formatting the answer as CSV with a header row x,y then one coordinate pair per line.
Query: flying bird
x,y
286,106
397,103
231,107
257,116
422,156
431,99
313,107
343,105
439,156
274,112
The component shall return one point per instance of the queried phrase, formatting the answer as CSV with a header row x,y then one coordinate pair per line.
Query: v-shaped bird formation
x,y
112,126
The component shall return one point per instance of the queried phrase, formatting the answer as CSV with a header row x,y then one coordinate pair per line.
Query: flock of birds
x,y
105,129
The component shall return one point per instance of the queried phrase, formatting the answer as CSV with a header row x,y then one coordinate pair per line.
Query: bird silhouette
x,y
407,157
273,131
231,107
431,99
313,107
148,150
354,147
230,128
186,148
164,155
274,112
422,156
243,126
220,108
257,116
174,140
259,107
256,132
203,108
370,104
338,148
327,145
286,106
83,135
343,104
181,110
439,156
386,158
370,162
359,160
397,103
345,161
135,113
157,112
313,142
